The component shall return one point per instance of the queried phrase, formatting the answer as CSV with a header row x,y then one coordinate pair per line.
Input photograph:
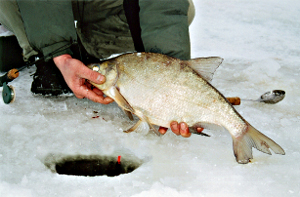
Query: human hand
x,y
75,74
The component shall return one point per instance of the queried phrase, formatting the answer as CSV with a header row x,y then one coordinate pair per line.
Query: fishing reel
x,y
8,94
8,91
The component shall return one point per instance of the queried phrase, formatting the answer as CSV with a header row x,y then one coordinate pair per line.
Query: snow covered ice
x,y
259,41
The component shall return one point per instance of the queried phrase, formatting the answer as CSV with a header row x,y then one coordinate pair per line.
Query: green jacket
x,y
50,29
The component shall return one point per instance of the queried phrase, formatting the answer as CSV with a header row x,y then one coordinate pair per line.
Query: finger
x,y
91,75
98,92
162,130
88,85
94,89
184,130
175,127
84,92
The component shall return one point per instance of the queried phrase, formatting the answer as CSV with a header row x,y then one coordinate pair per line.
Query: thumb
x,y
91,75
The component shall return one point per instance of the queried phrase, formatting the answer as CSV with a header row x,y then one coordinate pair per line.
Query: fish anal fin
x,y
242,145
205,66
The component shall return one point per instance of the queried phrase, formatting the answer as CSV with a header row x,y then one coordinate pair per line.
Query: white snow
x,y
259,41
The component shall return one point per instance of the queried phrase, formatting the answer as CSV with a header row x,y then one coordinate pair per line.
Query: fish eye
x,y
96,67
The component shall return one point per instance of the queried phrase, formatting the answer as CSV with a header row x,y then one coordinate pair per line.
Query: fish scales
x,y
160,89
171,92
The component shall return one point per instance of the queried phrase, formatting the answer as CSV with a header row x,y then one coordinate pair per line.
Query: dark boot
x,y
48,80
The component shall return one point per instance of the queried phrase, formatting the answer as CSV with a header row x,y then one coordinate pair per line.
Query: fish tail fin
x,y
243,144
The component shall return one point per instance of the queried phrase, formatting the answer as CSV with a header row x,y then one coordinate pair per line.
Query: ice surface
x,y
259,41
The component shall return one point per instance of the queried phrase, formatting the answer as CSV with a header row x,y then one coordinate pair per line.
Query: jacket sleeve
x,y
165,28
49,26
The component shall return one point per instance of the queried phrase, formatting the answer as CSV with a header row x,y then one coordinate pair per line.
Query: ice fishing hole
x,y
91,165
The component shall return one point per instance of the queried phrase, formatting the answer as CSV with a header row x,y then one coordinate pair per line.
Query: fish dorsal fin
x,y
205,66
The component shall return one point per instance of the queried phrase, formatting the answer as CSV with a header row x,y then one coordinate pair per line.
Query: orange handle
x,y
234,100
12,74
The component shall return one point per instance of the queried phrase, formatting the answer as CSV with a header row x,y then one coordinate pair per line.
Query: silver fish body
x,y
160,89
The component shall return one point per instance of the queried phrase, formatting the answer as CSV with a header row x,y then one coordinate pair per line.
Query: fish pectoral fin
x,y
205,66
114,93
242,145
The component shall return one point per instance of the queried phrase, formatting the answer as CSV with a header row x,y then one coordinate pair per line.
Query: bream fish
x,y
160,89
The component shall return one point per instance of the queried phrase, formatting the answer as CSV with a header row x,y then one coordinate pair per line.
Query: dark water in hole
x,y
94,167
